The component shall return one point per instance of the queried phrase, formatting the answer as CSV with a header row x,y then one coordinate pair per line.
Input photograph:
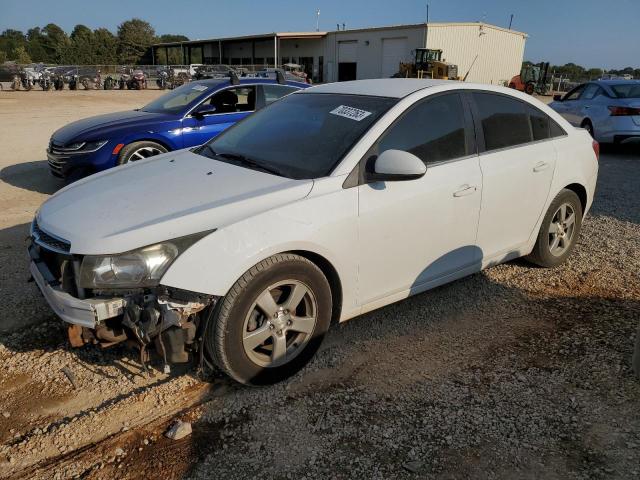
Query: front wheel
x,y
139,151
272,321
559,231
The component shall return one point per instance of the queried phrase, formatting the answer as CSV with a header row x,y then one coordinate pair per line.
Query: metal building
x,y
485,53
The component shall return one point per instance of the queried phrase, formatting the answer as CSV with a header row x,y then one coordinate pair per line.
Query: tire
x,y
544,254
239,314
588,126
139,151
529,88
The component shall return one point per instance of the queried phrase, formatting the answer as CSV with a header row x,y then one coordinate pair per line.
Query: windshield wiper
x,y
248,162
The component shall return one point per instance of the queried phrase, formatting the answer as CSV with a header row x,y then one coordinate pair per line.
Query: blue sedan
x,y
185,117
608,109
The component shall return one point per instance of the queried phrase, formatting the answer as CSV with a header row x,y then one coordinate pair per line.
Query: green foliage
x,y
170,38
135,36
56,43
3,57
20,55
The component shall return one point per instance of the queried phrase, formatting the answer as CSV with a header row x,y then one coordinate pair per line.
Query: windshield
x,y
627,90
177,100
301,136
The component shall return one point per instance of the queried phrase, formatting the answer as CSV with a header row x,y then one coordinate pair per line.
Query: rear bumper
x,y
86,313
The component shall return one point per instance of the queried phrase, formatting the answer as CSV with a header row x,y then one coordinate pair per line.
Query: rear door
x,y
517,162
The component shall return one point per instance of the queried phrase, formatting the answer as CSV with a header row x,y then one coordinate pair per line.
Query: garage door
x,y
347,52
394,51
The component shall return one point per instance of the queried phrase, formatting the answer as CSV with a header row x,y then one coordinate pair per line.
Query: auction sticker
x,y
350,112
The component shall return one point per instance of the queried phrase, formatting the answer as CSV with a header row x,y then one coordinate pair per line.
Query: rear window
x,y
627,90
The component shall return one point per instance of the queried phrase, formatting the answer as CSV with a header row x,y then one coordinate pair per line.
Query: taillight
x,y
596,149
624,111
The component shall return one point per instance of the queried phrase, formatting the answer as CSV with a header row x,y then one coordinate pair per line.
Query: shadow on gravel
x,y
617,192
33,176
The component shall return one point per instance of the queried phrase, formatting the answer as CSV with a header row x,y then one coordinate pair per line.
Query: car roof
x,y
224,82
618,81
383,87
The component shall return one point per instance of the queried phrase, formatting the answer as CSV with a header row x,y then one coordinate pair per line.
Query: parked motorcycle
x,y
45,80
23,80
138,80
95,82
73,82
110,83
163,79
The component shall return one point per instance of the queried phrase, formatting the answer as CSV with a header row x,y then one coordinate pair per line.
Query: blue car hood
x,y
105,126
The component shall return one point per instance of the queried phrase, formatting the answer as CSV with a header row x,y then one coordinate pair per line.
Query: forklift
x,y
532,79
429,64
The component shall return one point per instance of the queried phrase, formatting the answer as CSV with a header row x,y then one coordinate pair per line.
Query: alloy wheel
x,y
561,229
144,152
280,323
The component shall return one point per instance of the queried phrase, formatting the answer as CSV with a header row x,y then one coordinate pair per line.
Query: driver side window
x,y
433,130
575,93
239,99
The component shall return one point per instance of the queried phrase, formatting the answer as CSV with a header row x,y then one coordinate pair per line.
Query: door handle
x,y
466,190
540,167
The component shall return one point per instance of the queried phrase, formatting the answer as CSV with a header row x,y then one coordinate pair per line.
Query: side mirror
x,y
557,97
396,166
203,110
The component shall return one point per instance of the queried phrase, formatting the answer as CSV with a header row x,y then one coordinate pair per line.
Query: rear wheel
x,y
139,151
529,88
272,321
559,231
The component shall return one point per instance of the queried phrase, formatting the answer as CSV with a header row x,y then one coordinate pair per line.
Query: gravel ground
x,y
515,372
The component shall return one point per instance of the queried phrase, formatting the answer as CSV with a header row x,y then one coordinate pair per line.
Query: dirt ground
x,y
515,372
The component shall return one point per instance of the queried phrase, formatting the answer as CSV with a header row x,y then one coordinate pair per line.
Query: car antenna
x,y
234,78
280,77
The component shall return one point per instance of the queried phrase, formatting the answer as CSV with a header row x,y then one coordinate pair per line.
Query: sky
x,y
591,33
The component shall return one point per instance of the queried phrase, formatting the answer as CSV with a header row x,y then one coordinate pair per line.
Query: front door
x,y
229,106
413,233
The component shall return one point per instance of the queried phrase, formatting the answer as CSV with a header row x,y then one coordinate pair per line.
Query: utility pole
x,y
510,21
318,20
426,28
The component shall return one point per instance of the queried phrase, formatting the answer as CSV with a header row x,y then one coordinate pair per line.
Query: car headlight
x,y
93,146
139,268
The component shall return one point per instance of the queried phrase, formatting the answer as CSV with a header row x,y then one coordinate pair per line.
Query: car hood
x,y
161,198
95,128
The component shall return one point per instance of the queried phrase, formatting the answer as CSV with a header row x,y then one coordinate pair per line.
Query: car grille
x,y
55,160
49,241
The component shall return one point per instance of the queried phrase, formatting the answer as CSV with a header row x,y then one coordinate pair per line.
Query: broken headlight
x,y
139,268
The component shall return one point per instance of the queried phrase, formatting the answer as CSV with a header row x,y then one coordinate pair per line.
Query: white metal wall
x,y
499,52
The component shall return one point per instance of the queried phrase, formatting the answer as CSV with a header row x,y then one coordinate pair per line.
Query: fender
x,y
322,224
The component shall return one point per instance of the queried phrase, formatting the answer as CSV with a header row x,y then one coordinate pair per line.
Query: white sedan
x,y
330,203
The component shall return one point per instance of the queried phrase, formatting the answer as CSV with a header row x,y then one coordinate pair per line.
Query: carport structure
x,y
269,50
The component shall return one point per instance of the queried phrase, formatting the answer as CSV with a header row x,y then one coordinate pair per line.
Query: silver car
x,y
608,109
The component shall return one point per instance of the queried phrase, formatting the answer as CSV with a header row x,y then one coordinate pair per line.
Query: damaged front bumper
x,y
86,313
168,319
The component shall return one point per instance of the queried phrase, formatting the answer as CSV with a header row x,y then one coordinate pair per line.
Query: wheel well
x,y
581,192
332,277
154,140
585,121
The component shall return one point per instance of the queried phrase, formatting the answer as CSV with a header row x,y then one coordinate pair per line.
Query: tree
x,y
105,48
81,50
3,57
55,42
170,38
35,48
21,56
10,40
135,38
